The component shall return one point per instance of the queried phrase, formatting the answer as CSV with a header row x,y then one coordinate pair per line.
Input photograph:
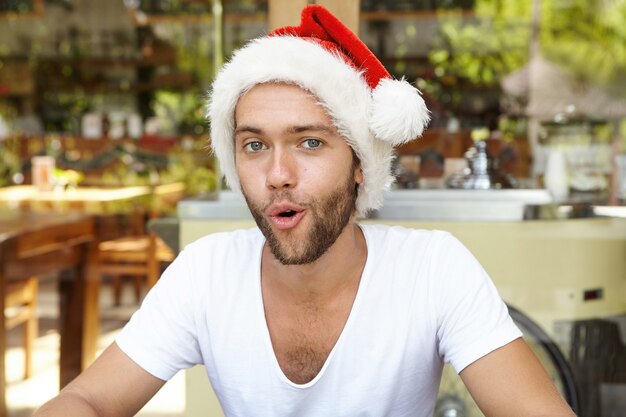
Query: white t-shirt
x,y
423,300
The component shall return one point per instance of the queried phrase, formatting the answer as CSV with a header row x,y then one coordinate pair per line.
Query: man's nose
x,y
282,170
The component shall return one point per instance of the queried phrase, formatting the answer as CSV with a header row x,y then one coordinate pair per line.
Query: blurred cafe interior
x,y
106,171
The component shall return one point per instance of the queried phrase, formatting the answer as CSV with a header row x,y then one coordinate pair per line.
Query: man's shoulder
x,y
380,231
398,241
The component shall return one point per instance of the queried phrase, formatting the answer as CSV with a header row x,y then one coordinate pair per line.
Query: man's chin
x,y
285,252
295,260
292,250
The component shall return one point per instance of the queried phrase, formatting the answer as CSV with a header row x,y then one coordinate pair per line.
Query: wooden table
x,y
40,244
96,200
51,231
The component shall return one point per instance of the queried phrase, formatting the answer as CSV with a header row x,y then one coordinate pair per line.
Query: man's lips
x,y
284,216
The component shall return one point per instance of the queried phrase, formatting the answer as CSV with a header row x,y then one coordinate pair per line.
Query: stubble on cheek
x,y
327,217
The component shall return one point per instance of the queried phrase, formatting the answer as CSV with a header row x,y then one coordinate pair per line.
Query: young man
x,y
312,314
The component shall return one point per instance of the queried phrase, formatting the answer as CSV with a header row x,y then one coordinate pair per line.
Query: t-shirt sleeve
x,y
473,319
161,336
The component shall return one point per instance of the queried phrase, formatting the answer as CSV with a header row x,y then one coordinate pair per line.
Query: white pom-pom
x,y
398,114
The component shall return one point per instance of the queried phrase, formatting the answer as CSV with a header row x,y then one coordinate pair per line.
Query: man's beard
x,y
329,215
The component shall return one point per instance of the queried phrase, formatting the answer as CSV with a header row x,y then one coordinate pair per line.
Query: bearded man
x,y
311,313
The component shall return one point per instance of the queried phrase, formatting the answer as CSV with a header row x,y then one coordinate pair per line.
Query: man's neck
x,y
338,269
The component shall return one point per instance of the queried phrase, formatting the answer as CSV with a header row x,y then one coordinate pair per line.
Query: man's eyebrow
x,y
248,129
318,127
311,128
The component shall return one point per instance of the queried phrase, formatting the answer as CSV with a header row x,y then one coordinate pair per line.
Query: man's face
x,y
296,172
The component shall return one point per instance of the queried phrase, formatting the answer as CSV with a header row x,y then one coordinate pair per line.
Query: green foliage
x,y
193,171
483,49
194,46
512,128
180,112
589,38
586,36
10,163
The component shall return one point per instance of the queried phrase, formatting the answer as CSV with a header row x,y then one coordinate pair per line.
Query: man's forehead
x,y
268,88
272,86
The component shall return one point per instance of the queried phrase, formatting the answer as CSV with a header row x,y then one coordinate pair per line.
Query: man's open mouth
x,y
288,213
285,215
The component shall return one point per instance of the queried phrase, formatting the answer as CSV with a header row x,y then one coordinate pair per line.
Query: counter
x,y
438,204
95,200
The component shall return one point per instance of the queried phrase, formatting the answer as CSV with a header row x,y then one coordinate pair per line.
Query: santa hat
x,y
372,111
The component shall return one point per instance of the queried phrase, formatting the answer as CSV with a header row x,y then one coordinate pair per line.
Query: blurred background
x,y
534,73
102,113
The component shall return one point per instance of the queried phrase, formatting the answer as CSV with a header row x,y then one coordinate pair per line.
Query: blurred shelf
x,y
112,61
140,18
35,12
96,62
411,14
112,89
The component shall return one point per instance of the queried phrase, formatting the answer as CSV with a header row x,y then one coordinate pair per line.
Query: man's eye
x,y
254,146
312,143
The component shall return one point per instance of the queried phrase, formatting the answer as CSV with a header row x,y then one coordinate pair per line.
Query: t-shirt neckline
x,y
267,341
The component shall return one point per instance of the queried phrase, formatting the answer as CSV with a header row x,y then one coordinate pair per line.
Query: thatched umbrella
x,y
550,90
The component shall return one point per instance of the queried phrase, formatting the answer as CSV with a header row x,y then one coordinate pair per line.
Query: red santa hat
x,y
370,109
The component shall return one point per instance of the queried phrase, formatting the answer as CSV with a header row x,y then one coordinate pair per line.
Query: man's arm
x,y
113,385
511,382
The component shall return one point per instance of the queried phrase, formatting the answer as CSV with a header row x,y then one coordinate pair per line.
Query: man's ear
x,y
358,174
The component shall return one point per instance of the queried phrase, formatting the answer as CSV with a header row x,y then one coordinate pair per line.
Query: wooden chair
x,y
134,253
21,308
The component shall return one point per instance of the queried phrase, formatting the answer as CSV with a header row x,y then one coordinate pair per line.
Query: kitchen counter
x,y
437,205
443,204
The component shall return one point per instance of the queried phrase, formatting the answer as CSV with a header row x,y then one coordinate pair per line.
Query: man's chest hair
x,y
302,341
